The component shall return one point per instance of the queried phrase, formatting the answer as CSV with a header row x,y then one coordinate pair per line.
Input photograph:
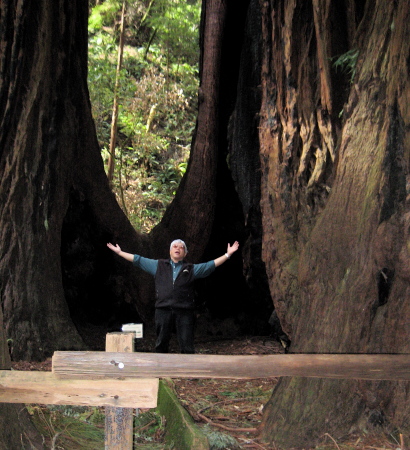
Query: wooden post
x,y
119,421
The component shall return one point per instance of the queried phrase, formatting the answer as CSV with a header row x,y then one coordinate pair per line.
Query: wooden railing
x,y
122,380
91,365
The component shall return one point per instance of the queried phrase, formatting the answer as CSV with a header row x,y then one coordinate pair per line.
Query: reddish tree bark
x,y
335,240
56,207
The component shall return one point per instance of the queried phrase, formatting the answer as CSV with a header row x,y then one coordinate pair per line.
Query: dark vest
x,y
178,294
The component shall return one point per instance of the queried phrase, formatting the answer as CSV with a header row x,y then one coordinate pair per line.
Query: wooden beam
x,y
130,365
45,388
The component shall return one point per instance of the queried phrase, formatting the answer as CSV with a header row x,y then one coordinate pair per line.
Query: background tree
x,y
114,119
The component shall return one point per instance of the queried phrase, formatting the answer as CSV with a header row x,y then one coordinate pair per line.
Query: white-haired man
x,y
175,293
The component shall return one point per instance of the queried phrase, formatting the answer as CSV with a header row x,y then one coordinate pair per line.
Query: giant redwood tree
x,y
57,211
334,161
304,160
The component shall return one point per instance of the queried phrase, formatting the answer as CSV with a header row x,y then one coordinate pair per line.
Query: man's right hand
x,y
117,249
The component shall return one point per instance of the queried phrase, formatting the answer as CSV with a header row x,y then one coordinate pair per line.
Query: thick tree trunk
x,y
245,166
206,211
56,209
35,168
338,264
191,214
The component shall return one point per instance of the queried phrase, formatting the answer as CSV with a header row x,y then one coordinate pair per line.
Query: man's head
x,y
178,250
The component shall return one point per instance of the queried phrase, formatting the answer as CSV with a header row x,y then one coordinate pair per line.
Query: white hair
x,y
179,241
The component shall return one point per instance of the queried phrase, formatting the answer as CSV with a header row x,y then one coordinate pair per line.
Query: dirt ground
x,y
226,407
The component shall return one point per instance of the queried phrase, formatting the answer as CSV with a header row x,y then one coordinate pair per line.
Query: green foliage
x,y
157,97
82,427
347,63
176,23
149,427
103,14
69,427
218,440
251,393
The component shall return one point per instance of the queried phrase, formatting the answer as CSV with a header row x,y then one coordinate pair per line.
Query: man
x,y
175,294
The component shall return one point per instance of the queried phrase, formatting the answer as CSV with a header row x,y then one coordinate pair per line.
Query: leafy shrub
x,y
158,83
220,441
347,63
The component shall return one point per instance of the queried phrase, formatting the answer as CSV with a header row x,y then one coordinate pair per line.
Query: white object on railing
x,y
134,327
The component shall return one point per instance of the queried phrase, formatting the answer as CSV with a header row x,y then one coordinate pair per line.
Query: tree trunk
x,y
191,214
56,207
16,429
57,211
114,117
338,263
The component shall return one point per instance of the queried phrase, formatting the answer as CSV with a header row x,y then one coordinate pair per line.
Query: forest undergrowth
x,y
154,88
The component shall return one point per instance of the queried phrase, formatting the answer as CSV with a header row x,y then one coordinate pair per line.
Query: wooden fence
x,y
122,380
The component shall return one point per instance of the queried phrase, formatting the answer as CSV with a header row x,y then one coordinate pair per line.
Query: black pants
x,y
183,320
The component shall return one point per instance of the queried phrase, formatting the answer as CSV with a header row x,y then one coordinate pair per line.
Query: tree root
x,y
223,427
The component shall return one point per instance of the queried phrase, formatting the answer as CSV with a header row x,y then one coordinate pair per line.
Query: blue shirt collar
x,y
175,263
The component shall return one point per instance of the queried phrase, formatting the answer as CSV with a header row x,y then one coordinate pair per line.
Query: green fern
x,y
347,63
218,440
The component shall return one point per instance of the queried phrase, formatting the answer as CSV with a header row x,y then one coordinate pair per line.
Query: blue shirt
x,y
201,270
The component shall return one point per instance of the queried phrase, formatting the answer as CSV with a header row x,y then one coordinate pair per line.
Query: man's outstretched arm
x,y
117,249
146,264
229,252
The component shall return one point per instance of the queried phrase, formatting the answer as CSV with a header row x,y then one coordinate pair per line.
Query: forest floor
x,y
229,412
